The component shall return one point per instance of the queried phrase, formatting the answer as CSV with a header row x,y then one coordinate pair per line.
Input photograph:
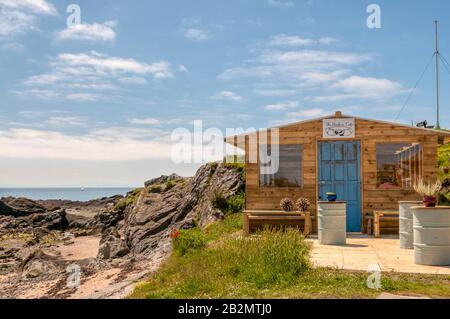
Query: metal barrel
x,y
406,224
432,236
332,223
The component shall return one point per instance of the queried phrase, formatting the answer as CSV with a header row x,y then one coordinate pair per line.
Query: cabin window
x,y
398,165
289,173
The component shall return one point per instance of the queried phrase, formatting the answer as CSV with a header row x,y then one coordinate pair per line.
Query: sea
x,y
73,194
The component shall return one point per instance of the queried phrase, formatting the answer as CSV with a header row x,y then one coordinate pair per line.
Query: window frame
x,y
302,177
401,187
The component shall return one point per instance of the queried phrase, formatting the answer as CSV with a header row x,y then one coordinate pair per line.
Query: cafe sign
x,y
339,128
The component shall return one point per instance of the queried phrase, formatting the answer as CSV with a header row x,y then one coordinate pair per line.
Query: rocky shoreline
x,y
101,248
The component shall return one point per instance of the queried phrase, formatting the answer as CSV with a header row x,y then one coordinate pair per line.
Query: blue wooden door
x,y
339,171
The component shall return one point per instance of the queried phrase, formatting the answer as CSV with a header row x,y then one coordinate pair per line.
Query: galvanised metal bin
x,y
432,236
406,224
332,223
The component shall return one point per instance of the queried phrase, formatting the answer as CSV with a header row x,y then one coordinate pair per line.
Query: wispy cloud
x,y
228,95
144,121
15,22
83,97
283,40
20,16
197,34
358,87
64,121
280,3
89,32
282,106
113,144
84,77
35,6
275,92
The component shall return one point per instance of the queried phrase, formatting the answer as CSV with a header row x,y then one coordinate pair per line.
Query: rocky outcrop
x,y
55,220
184,205
20,207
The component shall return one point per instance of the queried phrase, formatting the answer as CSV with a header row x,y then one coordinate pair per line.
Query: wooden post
x,y
376,224
307,230
246,224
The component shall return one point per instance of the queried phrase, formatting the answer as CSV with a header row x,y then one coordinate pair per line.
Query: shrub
x,y
185,241
155,189
172,184
287,204
218,200
235,204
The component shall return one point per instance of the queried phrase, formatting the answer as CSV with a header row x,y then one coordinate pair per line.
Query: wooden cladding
x,y
370,134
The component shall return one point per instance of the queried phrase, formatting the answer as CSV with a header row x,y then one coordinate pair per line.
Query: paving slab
x,y
365,252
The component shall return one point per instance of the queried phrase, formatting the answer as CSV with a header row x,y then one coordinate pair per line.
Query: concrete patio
x,y
363,252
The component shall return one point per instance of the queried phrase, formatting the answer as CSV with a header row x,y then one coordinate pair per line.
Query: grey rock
x,y
111,245
20,207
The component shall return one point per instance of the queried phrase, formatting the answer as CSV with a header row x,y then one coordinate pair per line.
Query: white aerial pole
x,y
436,53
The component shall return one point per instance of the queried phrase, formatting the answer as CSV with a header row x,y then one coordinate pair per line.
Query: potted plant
x,y
331,196
429,191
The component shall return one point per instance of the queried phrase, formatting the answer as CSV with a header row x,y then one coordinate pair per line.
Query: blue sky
x,y
96,105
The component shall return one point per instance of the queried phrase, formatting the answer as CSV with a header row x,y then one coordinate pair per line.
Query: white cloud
x,y
292,65
283,40
112,144
15,22
315,58
327,40
300,115
64,121
275,92
280,3
306,114
83,97
90,32
144,121
281,106
13,46
357,87
43,94
104,63
197,34
133,80
35,6
182,68
228,95
84,77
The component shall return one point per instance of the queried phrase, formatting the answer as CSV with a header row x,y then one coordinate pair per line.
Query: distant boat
x,y
82,189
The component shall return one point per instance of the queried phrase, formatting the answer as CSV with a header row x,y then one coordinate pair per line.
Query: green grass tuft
x,y
130,199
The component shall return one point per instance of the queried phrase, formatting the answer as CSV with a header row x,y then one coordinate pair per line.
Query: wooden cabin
x,y
370,164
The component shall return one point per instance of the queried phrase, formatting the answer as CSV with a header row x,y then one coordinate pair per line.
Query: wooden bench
x,y
276,217
378,216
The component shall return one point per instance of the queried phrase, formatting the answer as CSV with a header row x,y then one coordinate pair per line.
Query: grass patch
x,y
272,265
130,199
185,241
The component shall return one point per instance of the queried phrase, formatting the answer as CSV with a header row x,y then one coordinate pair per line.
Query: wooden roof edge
x,y
445,134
